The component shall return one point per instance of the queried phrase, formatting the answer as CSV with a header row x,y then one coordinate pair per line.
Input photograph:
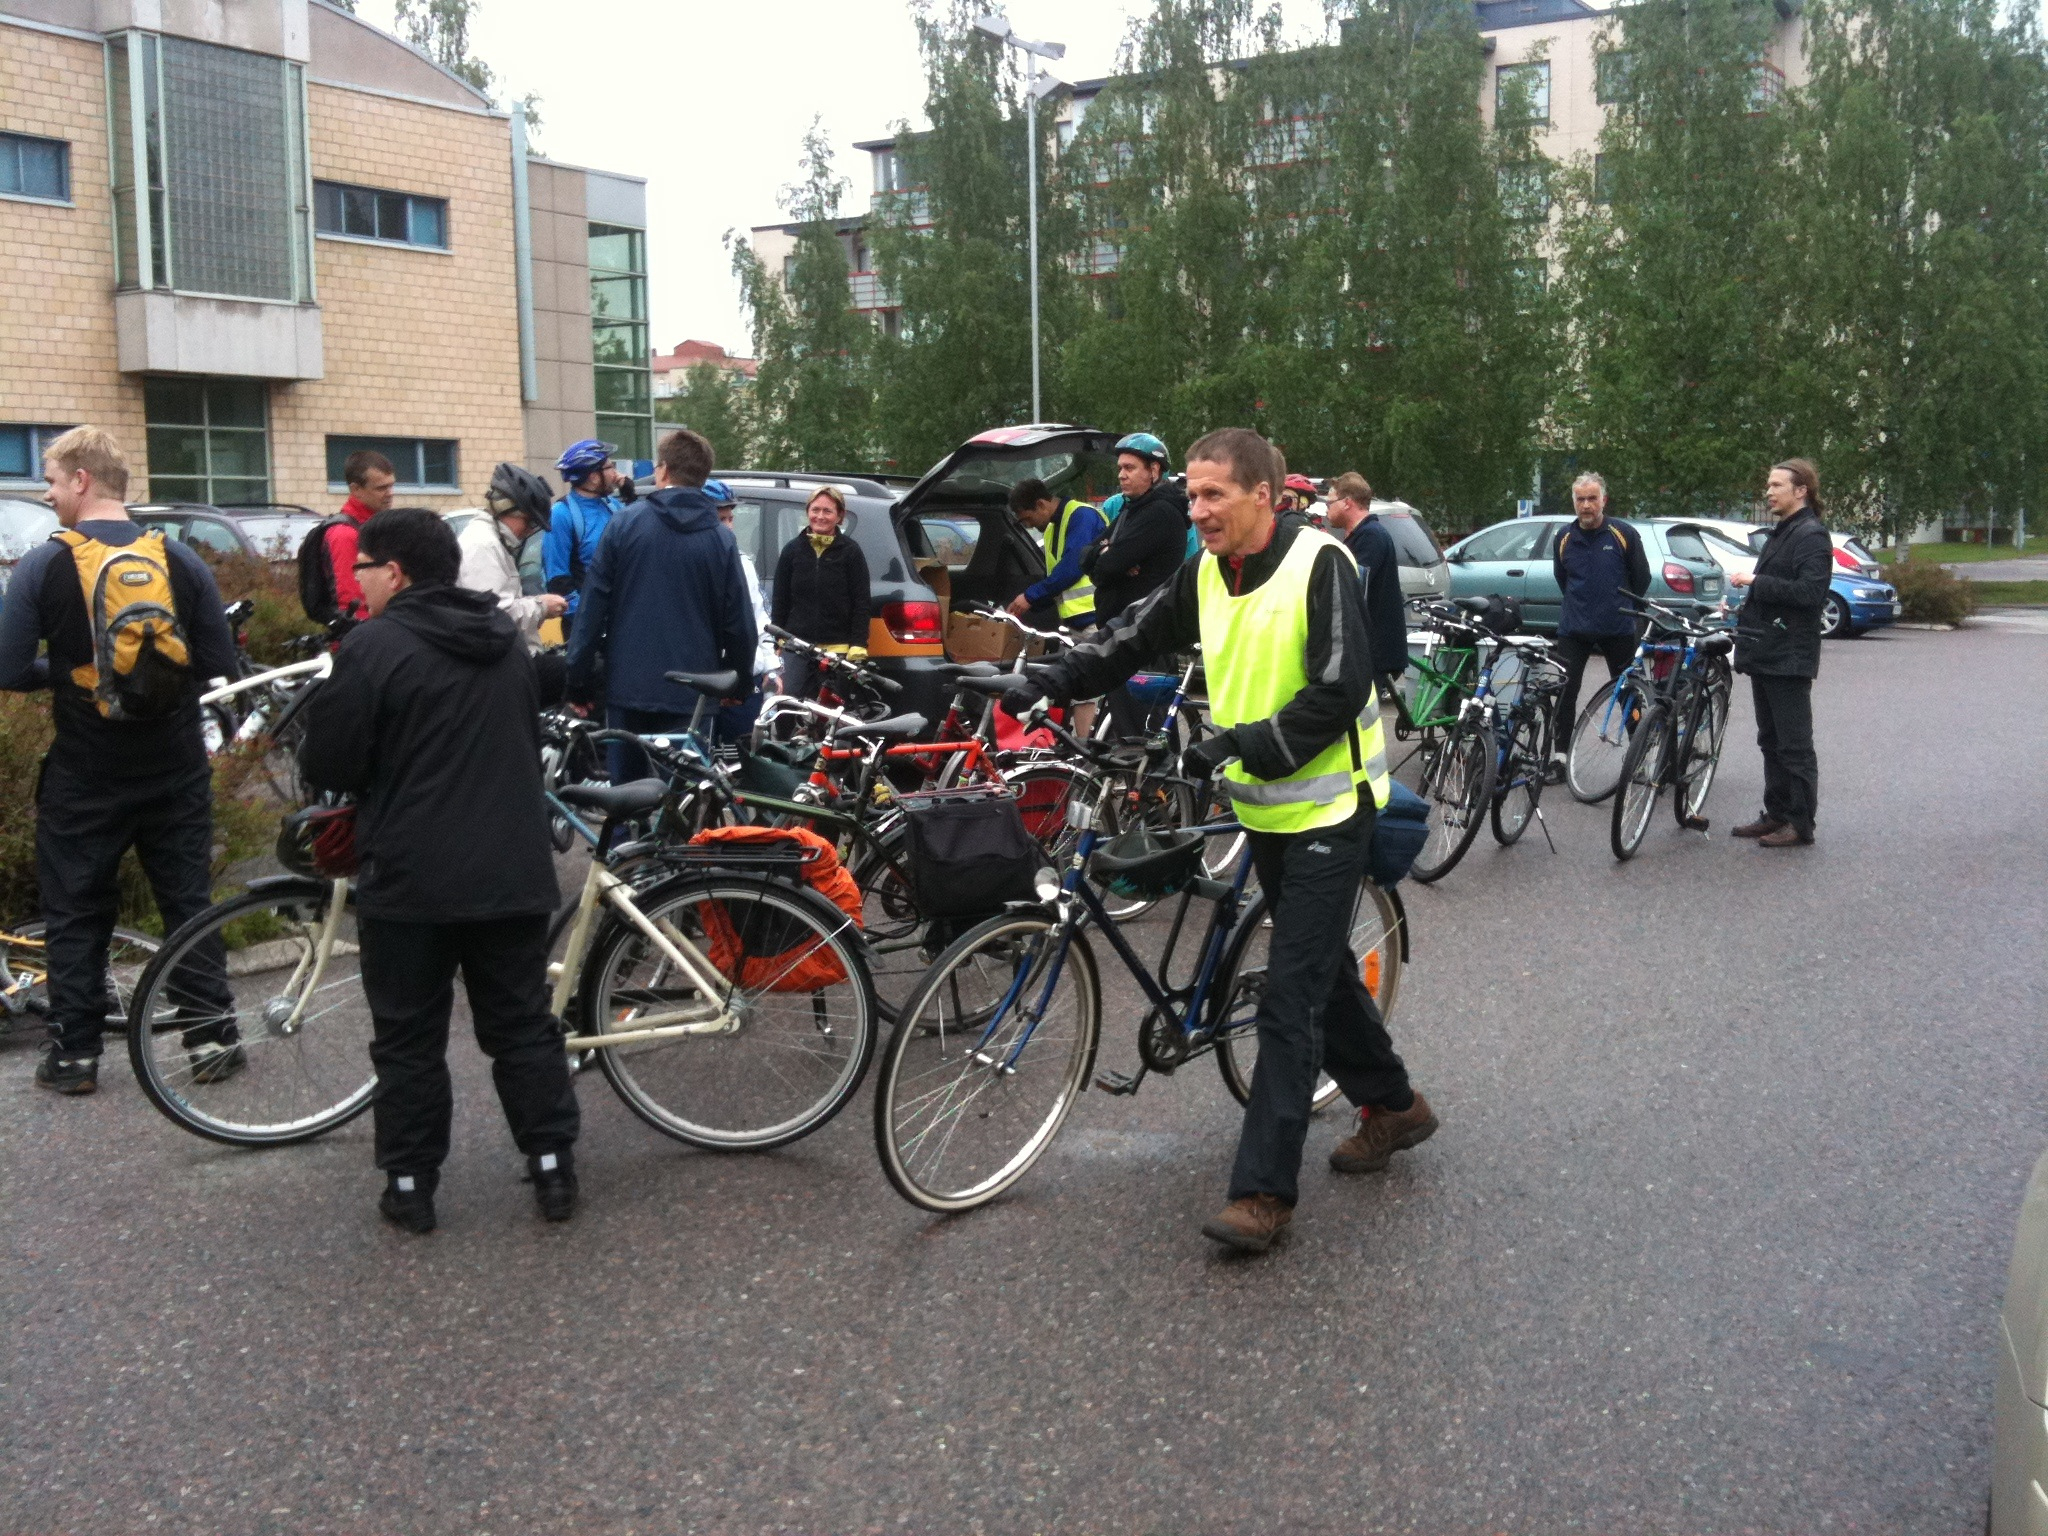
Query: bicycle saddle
x,y
954,669
723,685
1717,645
876,730
616,799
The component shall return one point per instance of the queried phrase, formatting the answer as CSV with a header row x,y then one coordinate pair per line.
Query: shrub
x,y
1931,594
274,589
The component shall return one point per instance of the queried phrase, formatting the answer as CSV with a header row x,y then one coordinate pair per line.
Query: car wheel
x,y
1834,618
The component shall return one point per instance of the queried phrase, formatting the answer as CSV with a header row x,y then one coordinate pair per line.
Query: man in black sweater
x,y
1600,566
1147,543
431,720
111,784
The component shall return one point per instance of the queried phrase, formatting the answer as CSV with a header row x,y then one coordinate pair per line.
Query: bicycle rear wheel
x,y
988,1058
796,1010
1375,942
1703,751
250,1026
1642,780
1599,743
1459,786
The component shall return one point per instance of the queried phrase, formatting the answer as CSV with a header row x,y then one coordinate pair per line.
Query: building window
x,y
1529,279
618,339
21,452
1611,77
888,172
214,197
1524,192
364,213
421,463
209,440
1521,95
37,168
1603,181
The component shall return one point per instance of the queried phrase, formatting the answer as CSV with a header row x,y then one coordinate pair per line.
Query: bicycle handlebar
x,y
859,671
991,611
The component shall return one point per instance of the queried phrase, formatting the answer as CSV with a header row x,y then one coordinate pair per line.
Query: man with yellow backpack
x,y
134,627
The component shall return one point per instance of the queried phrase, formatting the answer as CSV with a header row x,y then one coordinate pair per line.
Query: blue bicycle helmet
x,y
580,458
720,493
1145,446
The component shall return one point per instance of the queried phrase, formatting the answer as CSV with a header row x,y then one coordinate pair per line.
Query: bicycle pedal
x,y
1695,823
1116,1082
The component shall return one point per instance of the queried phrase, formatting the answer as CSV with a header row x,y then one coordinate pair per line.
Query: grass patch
x,y
1957,554
2012,594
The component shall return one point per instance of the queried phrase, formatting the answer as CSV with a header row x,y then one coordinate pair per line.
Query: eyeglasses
x,y
370,565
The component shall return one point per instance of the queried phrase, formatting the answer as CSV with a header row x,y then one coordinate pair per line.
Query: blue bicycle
x,y
997,1043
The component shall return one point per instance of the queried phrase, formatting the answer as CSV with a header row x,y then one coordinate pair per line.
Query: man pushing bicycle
x,y
1279,612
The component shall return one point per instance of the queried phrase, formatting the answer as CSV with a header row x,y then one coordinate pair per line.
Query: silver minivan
x,y
1425,574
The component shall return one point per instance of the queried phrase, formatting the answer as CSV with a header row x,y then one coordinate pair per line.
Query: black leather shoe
x,y
554,1184
67,1074
408,1202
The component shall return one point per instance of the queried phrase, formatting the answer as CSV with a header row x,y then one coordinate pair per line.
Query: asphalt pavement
x,y
1711,1240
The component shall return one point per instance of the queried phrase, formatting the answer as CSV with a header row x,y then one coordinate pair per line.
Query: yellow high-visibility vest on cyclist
x,y
1077,601
1254,651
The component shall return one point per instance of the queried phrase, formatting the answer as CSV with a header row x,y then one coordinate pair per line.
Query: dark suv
x,y
955,520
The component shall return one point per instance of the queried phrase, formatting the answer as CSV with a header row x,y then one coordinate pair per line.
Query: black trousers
x,y
1572,652
83,826
800,676
1784,729
409,978
1317,1016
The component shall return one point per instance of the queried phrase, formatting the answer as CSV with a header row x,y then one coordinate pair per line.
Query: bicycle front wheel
x,y
1642,780
1526,759
1599,742
1703,750
1459,786
989,1056
764,1043
250,1026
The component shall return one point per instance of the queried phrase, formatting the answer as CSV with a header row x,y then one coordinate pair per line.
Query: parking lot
x,y
1711,1240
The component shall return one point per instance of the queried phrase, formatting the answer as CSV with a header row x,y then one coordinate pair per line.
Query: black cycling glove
x,y
1201,760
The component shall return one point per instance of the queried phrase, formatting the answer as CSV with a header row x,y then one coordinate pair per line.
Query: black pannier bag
x,y
969,854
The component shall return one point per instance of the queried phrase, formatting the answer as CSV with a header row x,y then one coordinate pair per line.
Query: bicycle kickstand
x,y
1546,829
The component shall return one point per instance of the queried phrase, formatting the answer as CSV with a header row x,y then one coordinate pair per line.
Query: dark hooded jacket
x,y
1146,545
432,721
1777,628
666,593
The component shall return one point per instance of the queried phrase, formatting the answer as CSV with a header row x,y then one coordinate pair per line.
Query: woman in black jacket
x,y
1777,642
821,591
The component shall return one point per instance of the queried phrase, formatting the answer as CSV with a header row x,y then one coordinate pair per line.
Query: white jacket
x,y
490,563
765,658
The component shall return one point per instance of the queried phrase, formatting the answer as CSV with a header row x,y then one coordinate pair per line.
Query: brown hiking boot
x,y
1380,1134
1763,826
1784,837
1250,1224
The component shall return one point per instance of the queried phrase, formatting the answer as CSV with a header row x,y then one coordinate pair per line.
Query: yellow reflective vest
x,y
1255,654
1079,599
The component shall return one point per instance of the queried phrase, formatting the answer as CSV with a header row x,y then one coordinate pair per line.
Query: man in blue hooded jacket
x,y
666,593
569,546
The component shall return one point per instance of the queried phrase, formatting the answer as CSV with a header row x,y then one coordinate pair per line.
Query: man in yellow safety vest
x,y
1068,530
1279,612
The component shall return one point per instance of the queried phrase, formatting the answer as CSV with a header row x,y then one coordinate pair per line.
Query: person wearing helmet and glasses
x,y
1279,612
518,507
1147,543
586,509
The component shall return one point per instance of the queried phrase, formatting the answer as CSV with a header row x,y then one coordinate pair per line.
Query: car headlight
x,y
1872,594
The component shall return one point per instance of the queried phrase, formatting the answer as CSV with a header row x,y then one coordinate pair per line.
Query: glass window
x,y
1521,94
1414,545
365,213
1524,192
618,336
31,167
22,449
212,534
1611,72
1603,180
421,463
949,540
747,518
1686,544
209,439
1508,541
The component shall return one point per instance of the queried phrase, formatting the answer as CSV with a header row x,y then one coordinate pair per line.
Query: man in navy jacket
x,y
1597,560
665,593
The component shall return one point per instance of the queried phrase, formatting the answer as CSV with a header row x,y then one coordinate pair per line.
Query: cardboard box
x,y
970,637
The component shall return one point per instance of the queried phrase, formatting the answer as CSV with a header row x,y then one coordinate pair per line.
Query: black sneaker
x,y
67,1074
216,1063
408,1201
554,1184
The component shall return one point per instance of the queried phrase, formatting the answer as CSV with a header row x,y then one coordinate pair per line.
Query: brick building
x,y
248,239
670,368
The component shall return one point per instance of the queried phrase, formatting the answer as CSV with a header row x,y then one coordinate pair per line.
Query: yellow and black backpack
x,y
141,662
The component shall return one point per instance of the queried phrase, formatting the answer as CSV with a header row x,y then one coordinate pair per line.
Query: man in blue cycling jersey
x,y
580,519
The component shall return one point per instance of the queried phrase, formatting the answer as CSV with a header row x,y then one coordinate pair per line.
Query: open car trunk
x,y
967,544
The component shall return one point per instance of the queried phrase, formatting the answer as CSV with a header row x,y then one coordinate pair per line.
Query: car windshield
x,y
1414,545
1858,551
278,536
23,525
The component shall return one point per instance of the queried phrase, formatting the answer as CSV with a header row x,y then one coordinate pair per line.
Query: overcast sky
x,y
709,99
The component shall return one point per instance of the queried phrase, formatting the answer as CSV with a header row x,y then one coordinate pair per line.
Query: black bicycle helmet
x,y
515,488
1144,865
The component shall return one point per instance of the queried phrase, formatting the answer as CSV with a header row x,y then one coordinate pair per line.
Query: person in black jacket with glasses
x,y
1777,642
821,591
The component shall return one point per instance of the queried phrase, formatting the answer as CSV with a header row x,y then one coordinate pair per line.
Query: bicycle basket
x,y
777,768
760,948
969,854
1144,865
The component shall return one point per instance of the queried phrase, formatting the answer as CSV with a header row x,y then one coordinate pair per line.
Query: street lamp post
x,y
1036,88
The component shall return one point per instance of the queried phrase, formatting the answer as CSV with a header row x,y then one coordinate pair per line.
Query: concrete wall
x,y
58,363
567,407
354,53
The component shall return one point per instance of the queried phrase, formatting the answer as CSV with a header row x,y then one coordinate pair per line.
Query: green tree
x,y
814,405
1667,245
440,30
717,403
